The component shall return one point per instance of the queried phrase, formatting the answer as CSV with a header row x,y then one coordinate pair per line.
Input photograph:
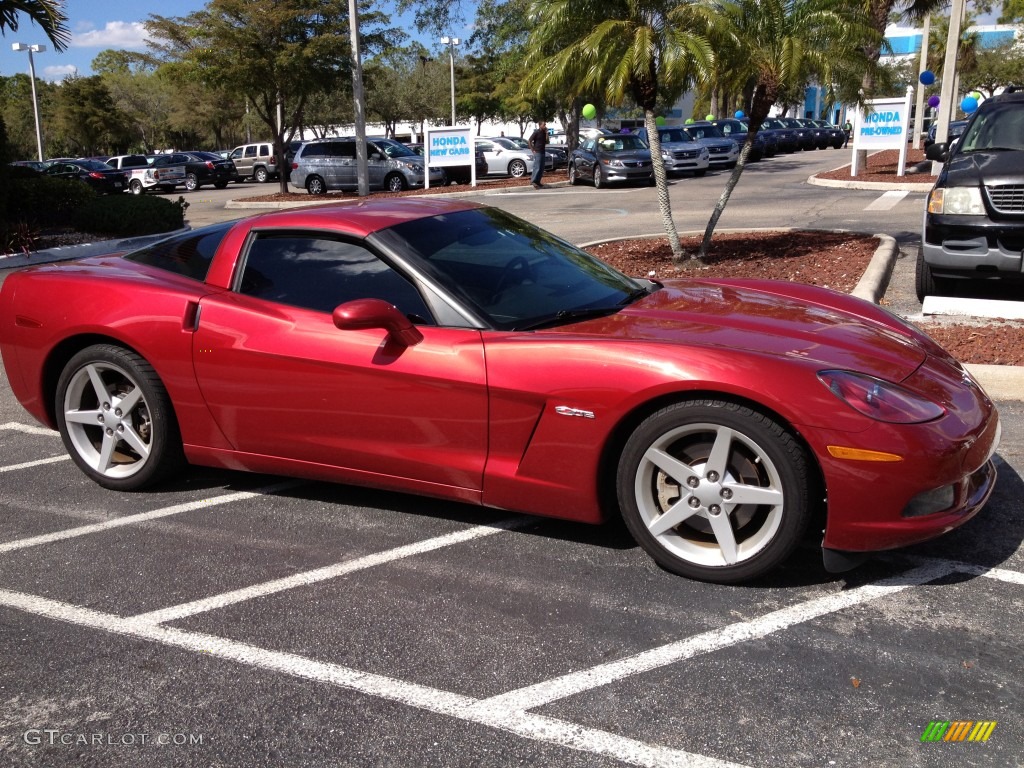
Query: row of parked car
x,y
604,157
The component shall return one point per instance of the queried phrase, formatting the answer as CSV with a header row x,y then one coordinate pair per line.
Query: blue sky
x,y
95,26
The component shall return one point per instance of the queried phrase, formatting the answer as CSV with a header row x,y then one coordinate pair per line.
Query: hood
x,y
716,142
771,318
628,155
985,167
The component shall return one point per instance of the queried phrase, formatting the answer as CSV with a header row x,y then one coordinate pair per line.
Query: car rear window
x,y
188,254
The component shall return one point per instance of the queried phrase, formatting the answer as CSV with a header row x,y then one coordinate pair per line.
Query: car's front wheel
x,y
116,419
517,169
573,178
191,182
395,182
926,283
599,177
714,490
315,186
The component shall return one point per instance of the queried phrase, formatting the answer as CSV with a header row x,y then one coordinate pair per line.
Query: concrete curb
x,y
902,186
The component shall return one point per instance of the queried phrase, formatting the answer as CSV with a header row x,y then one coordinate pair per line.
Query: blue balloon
x,y
927,77
739,114
969,104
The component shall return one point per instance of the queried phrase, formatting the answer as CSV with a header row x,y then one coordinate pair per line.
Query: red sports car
x,y
453,350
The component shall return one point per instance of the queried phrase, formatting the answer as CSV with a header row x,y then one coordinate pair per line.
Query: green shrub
x,y
130,215
46,202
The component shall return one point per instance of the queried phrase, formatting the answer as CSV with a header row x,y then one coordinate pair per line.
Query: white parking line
x,y
30,464
603,674
998,574
530,726
29,429
155,514
886,201
328,572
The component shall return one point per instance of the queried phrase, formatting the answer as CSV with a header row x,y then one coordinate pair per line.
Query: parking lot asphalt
x,y
230,619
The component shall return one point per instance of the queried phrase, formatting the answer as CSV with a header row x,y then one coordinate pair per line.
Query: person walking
x,y
848,127
538,143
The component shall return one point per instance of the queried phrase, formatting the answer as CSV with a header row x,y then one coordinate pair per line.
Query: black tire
x,y
316,186
517,169
395,182
599,182
701,172
220,184
926,283
260,174
574,180
135,187
122,451
715,539
191,182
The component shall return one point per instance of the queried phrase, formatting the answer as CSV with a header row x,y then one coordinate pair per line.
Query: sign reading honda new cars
x,y
882,124
446,147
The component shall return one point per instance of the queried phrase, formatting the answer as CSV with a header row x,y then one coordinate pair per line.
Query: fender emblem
x,y
565,410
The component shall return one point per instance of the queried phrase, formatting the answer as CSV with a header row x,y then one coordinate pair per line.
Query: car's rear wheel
x,y
191,182
116,419
395,182
260,174
315,186
714,490
517,169
573,178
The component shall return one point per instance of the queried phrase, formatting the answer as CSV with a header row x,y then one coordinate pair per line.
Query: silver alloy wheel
x,y
517,169
191,182
573,180
108,420
135,187
315,186
709,494
395,182
260,175
598,176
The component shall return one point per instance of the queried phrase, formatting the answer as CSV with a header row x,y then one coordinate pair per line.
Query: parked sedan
x,y
504,158
97,175
555,156
804,135
611,158
785,136
836,134
451,349
680,152
723,152
737,130
200,168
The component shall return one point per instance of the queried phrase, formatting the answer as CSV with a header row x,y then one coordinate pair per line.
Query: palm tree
x,y
647,50
779,44
48,14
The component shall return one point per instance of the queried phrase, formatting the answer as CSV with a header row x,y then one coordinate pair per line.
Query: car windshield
x,y
705,132
621,142
999,127
771,122
515,275
392,148
94,165
670,135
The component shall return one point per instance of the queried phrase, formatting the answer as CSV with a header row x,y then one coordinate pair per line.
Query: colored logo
x,y
958,730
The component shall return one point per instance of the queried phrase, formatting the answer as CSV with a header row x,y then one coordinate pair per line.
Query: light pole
x,y
35,101
451,42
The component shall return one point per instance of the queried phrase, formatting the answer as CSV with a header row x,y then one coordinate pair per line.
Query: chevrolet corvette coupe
x,y
453,350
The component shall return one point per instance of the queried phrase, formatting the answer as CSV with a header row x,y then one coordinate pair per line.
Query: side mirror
x,y
938,152
362,314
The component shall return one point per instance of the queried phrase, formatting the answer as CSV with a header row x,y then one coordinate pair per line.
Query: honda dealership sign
x,y
446,147
882,124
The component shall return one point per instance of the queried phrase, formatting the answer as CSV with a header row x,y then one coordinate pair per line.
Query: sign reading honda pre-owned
x,y
882,124
446,147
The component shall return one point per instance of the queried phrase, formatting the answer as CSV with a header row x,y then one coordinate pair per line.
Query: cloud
x,y
116,34
55,73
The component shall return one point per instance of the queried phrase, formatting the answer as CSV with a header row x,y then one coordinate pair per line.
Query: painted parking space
x,y
482,638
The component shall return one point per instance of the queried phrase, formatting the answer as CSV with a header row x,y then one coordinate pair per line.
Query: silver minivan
x,y
324,164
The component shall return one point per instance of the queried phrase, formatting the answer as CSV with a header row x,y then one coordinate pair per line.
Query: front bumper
x,y
973,244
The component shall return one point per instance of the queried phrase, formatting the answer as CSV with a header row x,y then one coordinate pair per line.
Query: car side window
x,y
314,150
319,273
187,254
250,151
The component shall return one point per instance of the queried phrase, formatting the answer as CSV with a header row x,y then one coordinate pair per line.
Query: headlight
x,y
956,201
880,400
612,163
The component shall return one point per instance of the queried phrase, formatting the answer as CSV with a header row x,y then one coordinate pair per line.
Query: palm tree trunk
x,y
661,181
